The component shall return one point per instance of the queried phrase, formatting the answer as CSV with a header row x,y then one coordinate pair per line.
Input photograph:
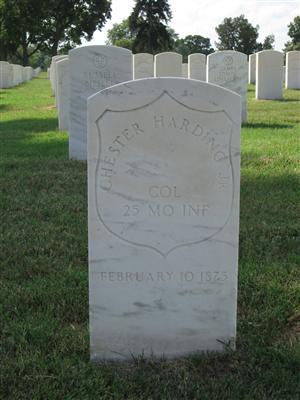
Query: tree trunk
x,y
25,56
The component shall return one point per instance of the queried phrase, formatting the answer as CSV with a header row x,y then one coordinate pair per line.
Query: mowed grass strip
x,y
44,345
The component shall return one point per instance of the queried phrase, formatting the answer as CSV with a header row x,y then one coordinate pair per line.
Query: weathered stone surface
x,y
292,80
184,70
63,93
229,69
197,66
28,73
252,68
143,66
53,71
92,68
163,179
6,75
17,74
168,64
269,79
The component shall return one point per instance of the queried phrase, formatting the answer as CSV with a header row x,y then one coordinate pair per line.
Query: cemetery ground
x,y
44,341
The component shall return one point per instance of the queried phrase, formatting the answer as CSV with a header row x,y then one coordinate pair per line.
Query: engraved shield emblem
x,y
164,176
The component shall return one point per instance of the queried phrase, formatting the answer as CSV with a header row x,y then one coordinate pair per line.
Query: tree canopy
x,y
193,44
294,34
28,26
148,23
240,35
121,35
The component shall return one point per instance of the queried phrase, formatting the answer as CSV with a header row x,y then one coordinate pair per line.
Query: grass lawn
x,y
44,342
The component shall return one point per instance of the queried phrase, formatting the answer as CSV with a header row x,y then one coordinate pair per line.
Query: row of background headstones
x,y
13,74
89,69
291,71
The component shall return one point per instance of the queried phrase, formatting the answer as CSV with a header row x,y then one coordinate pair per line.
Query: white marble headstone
x,y
6,75
269,79
252,67
184,70
17,74
229,69
63,96
143,65
168,64
292,80
197,66
92,68
53,71
29,73
163,206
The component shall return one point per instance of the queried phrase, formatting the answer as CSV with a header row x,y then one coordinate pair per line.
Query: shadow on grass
x,y
268,217
266,125
32,148
31,125
4,107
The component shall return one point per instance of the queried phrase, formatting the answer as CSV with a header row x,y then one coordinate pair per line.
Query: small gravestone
x,y
63,96
143,66
53,71
184,70
168,64
292,80
252,67
163,205
29,73
6,75
229,69
197,66
269,79
92,68
17,74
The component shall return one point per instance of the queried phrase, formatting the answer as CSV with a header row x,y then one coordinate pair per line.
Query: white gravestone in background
x,y
229,69
143,65
283,74
6,75
24,74
53,71
168,64
292,80
252,66
55,78
163,205
184,70
269,79
29,73
17,74
63,97
197,66
92,68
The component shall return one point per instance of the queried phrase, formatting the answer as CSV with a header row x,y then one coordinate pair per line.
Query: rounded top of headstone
x,y
168,53
194,92
227,53
90,48
270,51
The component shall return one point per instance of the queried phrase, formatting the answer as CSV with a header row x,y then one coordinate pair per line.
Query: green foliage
x,y
44,340
148,24
29,26
193,44
240,35
294,34
121,35
268,43
21,33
